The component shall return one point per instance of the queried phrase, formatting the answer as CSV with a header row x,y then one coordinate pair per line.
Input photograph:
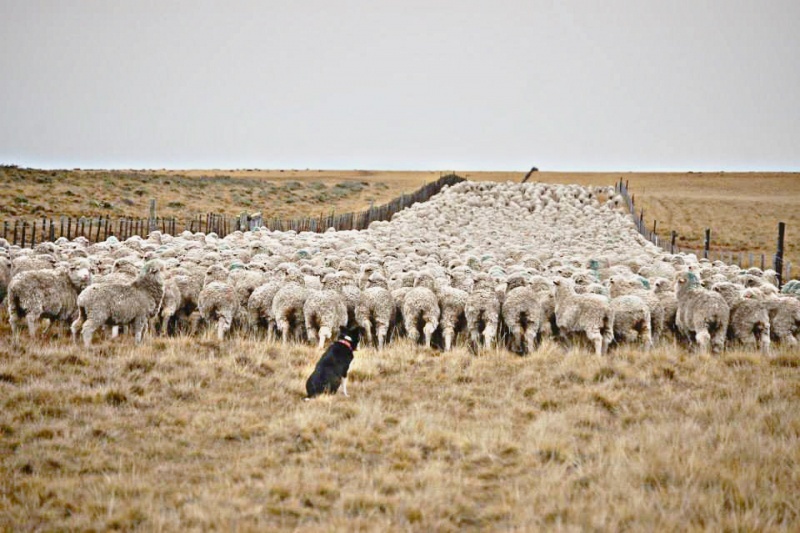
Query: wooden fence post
x,y
779,253
24,228
672,242
5,230
152,223
707,243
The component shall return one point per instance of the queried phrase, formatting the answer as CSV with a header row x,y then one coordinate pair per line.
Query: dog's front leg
x,y
344,386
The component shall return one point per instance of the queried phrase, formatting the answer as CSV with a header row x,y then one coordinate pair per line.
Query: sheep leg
x,y
448,334
139,326
87,331
646,336
114,332
411,328
324,335
30,318
366,325
380,331
428,329
517,335
344,386
596,337
283,327
490,333
530,338
703,338
718,340
765,341
223,325
75,327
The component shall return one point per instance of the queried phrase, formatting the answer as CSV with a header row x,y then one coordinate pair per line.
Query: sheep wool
x,y
33,294
121,304
702,314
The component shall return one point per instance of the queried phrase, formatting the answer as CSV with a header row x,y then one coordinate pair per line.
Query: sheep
x,y
590,314
48,293
665,293
784,317
632,320
259,306
702,314
421,304
164,321
376,308
5,276
287,306
749,317
639,286
120,304
522,314
452,302
218,300
324,313
483,305
26,263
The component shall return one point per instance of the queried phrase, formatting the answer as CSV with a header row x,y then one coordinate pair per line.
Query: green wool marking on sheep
x,y
645,282
692,280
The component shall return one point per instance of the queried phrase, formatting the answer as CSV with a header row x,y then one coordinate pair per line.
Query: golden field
x,y
742,209
190,434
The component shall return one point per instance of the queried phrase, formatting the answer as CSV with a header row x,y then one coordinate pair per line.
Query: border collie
x,y
332,367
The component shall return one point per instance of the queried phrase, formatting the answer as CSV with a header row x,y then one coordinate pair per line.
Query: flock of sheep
x,y
479,263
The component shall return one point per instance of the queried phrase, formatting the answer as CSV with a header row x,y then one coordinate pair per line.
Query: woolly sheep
x,y
120,304
421,305
483,305
287,307
590,314
784,317
324,313
48,293
632,320
218,301
375,309
523,315
749,318
702,314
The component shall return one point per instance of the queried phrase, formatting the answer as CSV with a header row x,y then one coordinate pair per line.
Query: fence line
x,y
741,259
28,233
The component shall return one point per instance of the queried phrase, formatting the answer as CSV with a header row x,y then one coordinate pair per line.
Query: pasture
x,y
185,433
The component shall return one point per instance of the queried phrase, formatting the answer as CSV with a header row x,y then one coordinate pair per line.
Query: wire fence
x,y
742,259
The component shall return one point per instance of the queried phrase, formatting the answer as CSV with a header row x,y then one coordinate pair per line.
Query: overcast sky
x,y
400,84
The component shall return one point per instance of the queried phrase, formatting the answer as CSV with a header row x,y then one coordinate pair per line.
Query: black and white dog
x,y
332,367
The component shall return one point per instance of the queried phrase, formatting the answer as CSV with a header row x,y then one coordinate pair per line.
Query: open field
x,y
743,209
184,433
194,434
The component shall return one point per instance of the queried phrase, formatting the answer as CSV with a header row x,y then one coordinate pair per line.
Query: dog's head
x,y
351,335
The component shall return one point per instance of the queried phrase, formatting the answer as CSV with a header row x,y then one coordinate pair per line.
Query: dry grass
x,y
186,433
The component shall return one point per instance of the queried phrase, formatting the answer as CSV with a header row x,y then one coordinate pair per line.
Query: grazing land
x,y
185,433
742,209
190,433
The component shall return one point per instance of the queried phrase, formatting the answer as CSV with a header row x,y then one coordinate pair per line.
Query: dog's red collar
x,y
346,343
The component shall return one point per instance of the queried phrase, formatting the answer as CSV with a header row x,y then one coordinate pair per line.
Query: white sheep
x,y
590,314
120,304
702,314
49,293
